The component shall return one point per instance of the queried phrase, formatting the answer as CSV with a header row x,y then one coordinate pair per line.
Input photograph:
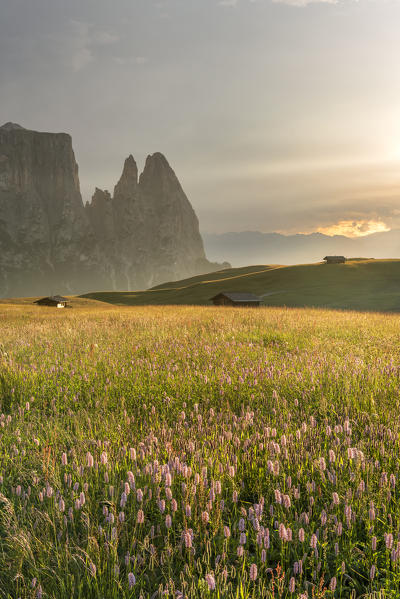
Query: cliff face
x,y
46,242
146,234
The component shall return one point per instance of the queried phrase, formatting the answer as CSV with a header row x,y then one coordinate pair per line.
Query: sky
x,y
276,115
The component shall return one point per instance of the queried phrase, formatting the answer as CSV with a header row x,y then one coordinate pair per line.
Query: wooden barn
x,y
56,301
335,259
236,299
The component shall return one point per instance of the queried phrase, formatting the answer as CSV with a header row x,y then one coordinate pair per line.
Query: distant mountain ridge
x,y
145,234
254,247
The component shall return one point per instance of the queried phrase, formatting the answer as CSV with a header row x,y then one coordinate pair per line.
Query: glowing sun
x,y
355,228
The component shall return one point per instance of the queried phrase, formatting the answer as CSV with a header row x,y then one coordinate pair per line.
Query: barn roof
x,y
239,297
54,298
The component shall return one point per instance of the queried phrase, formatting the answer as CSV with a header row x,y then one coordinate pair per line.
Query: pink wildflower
x,y
372,572
313,541
253,572
282,532
389,540
205,517
131,579
286,501
210,581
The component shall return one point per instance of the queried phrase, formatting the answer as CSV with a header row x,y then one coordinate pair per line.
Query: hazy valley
x,y
252,247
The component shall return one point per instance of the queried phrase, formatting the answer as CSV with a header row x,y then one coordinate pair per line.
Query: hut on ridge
x,y
236,299
335,259
56,301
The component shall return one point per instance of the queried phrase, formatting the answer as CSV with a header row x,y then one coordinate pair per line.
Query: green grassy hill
x,y
357,285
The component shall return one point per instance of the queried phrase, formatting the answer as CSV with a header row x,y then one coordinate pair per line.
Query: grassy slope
x,y
357,285
73,301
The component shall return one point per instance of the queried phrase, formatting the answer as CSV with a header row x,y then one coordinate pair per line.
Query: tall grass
x,y
199,452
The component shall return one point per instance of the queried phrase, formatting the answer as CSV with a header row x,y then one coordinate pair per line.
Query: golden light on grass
x,y
183,448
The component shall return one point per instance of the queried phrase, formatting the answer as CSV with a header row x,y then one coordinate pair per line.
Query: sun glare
x,y
352,228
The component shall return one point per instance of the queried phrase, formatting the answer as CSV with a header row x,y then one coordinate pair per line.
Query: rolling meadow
x,y
191,452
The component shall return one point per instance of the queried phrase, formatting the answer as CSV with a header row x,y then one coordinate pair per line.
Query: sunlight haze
x,y
275,115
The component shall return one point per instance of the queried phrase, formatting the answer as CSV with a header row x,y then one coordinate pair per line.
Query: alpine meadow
x,y
199,299
198,452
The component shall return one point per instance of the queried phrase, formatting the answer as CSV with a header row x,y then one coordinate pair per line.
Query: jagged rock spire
x,y
158,176
128,182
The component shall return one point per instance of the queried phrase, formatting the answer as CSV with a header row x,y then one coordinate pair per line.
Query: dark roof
x,y
334,257
239,297
54,298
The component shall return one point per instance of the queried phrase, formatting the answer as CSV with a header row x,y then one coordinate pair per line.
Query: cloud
x,y
77,42
131,60
80,41
355,228
103,38
297,3
302,3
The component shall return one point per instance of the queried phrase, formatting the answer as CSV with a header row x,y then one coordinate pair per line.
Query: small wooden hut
x,y
335,259
56,301
236,299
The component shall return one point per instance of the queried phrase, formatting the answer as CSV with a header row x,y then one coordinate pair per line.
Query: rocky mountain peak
x,y
128,182
146,234
157,160
12,127
45,237
100,214
158,176
100,196
149,229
